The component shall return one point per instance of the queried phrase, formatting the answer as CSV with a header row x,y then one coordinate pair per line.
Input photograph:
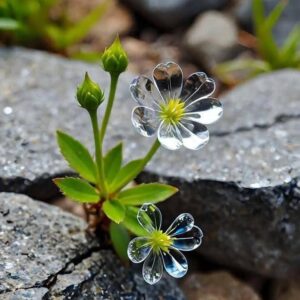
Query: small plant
x,y
270,56
180,110
29,22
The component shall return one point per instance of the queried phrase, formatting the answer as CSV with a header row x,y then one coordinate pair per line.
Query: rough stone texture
x,y
217,286
171,13
243,188
47,254
287,21
212,39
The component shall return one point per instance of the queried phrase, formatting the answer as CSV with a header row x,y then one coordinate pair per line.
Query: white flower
x,y
160,249
176,110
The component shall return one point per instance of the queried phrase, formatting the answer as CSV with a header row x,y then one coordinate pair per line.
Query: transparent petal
x,y
181,224
168,79
197,86
153,268
145,120
145,93
188,241
149,216
138,249
168,136
193,135
175,263
204,111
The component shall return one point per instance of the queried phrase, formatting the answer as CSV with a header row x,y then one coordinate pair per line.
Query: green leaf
x,y
151,192
274,15
77,189
120,239
77,156
113,162
290,48
257,13
131,223
126,174
114,210
9,24
237,70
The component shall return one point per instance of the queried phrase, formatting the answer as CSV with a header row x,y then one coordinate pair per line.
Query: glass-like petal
x,y
149,216
188,241
193,135
168,136
138,249
197,86
168,79
175,263
145,120
204,111
181,224
145,93
153,268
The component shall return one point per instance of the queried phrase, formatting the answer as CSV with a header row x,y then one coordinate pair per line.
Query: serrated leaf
x,y
126,174
120,239
151,192
77,156
114,210
113,162
77,189
131,223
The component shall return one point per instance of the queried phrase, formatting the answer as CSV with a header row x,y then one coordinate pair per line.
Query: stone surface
x,y
217,286
287,21
47,254
212,39
171,13
243,188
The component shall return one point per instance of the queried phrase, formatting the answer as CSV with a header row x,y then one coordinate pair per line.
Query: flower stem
x,y
141,166
147,158
98,153
149,155
111,98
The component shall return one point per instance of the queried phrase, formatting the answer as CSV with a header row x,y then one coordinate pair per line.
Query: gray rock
x,y
47,254
287,21
171,13
212,39
243,188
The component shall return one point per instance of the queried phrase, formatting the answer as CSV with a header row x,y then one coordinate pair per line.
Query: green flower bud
x,y
114,59
89,95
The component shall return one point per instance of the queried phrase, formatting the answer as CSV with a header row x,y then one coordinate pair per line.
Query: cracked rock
x,y
243,188
47,254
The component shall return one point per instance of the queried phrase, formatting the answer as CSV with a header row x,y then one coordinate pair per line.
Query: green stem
x,y
111,98
98,153
149,155
142,165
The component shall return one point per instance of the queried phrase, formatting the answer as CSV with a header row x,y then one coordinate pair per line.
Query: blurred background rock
x,y
233,41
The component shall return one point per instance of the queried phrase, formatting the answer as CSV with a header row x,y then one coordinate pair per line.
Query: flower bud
x,y
89,95
114,59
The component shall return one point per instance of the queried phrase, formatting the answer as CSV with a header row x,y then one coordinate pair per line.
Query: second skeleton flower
x,y
178,110
160,249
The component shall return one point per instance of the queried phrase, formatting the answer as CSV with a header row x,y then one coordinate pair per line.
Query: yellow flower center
x,y
173,111
160,241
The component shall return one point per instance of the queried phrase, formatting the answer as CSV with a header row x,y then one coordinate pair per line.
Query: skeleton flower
x,y
161,249
177,110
